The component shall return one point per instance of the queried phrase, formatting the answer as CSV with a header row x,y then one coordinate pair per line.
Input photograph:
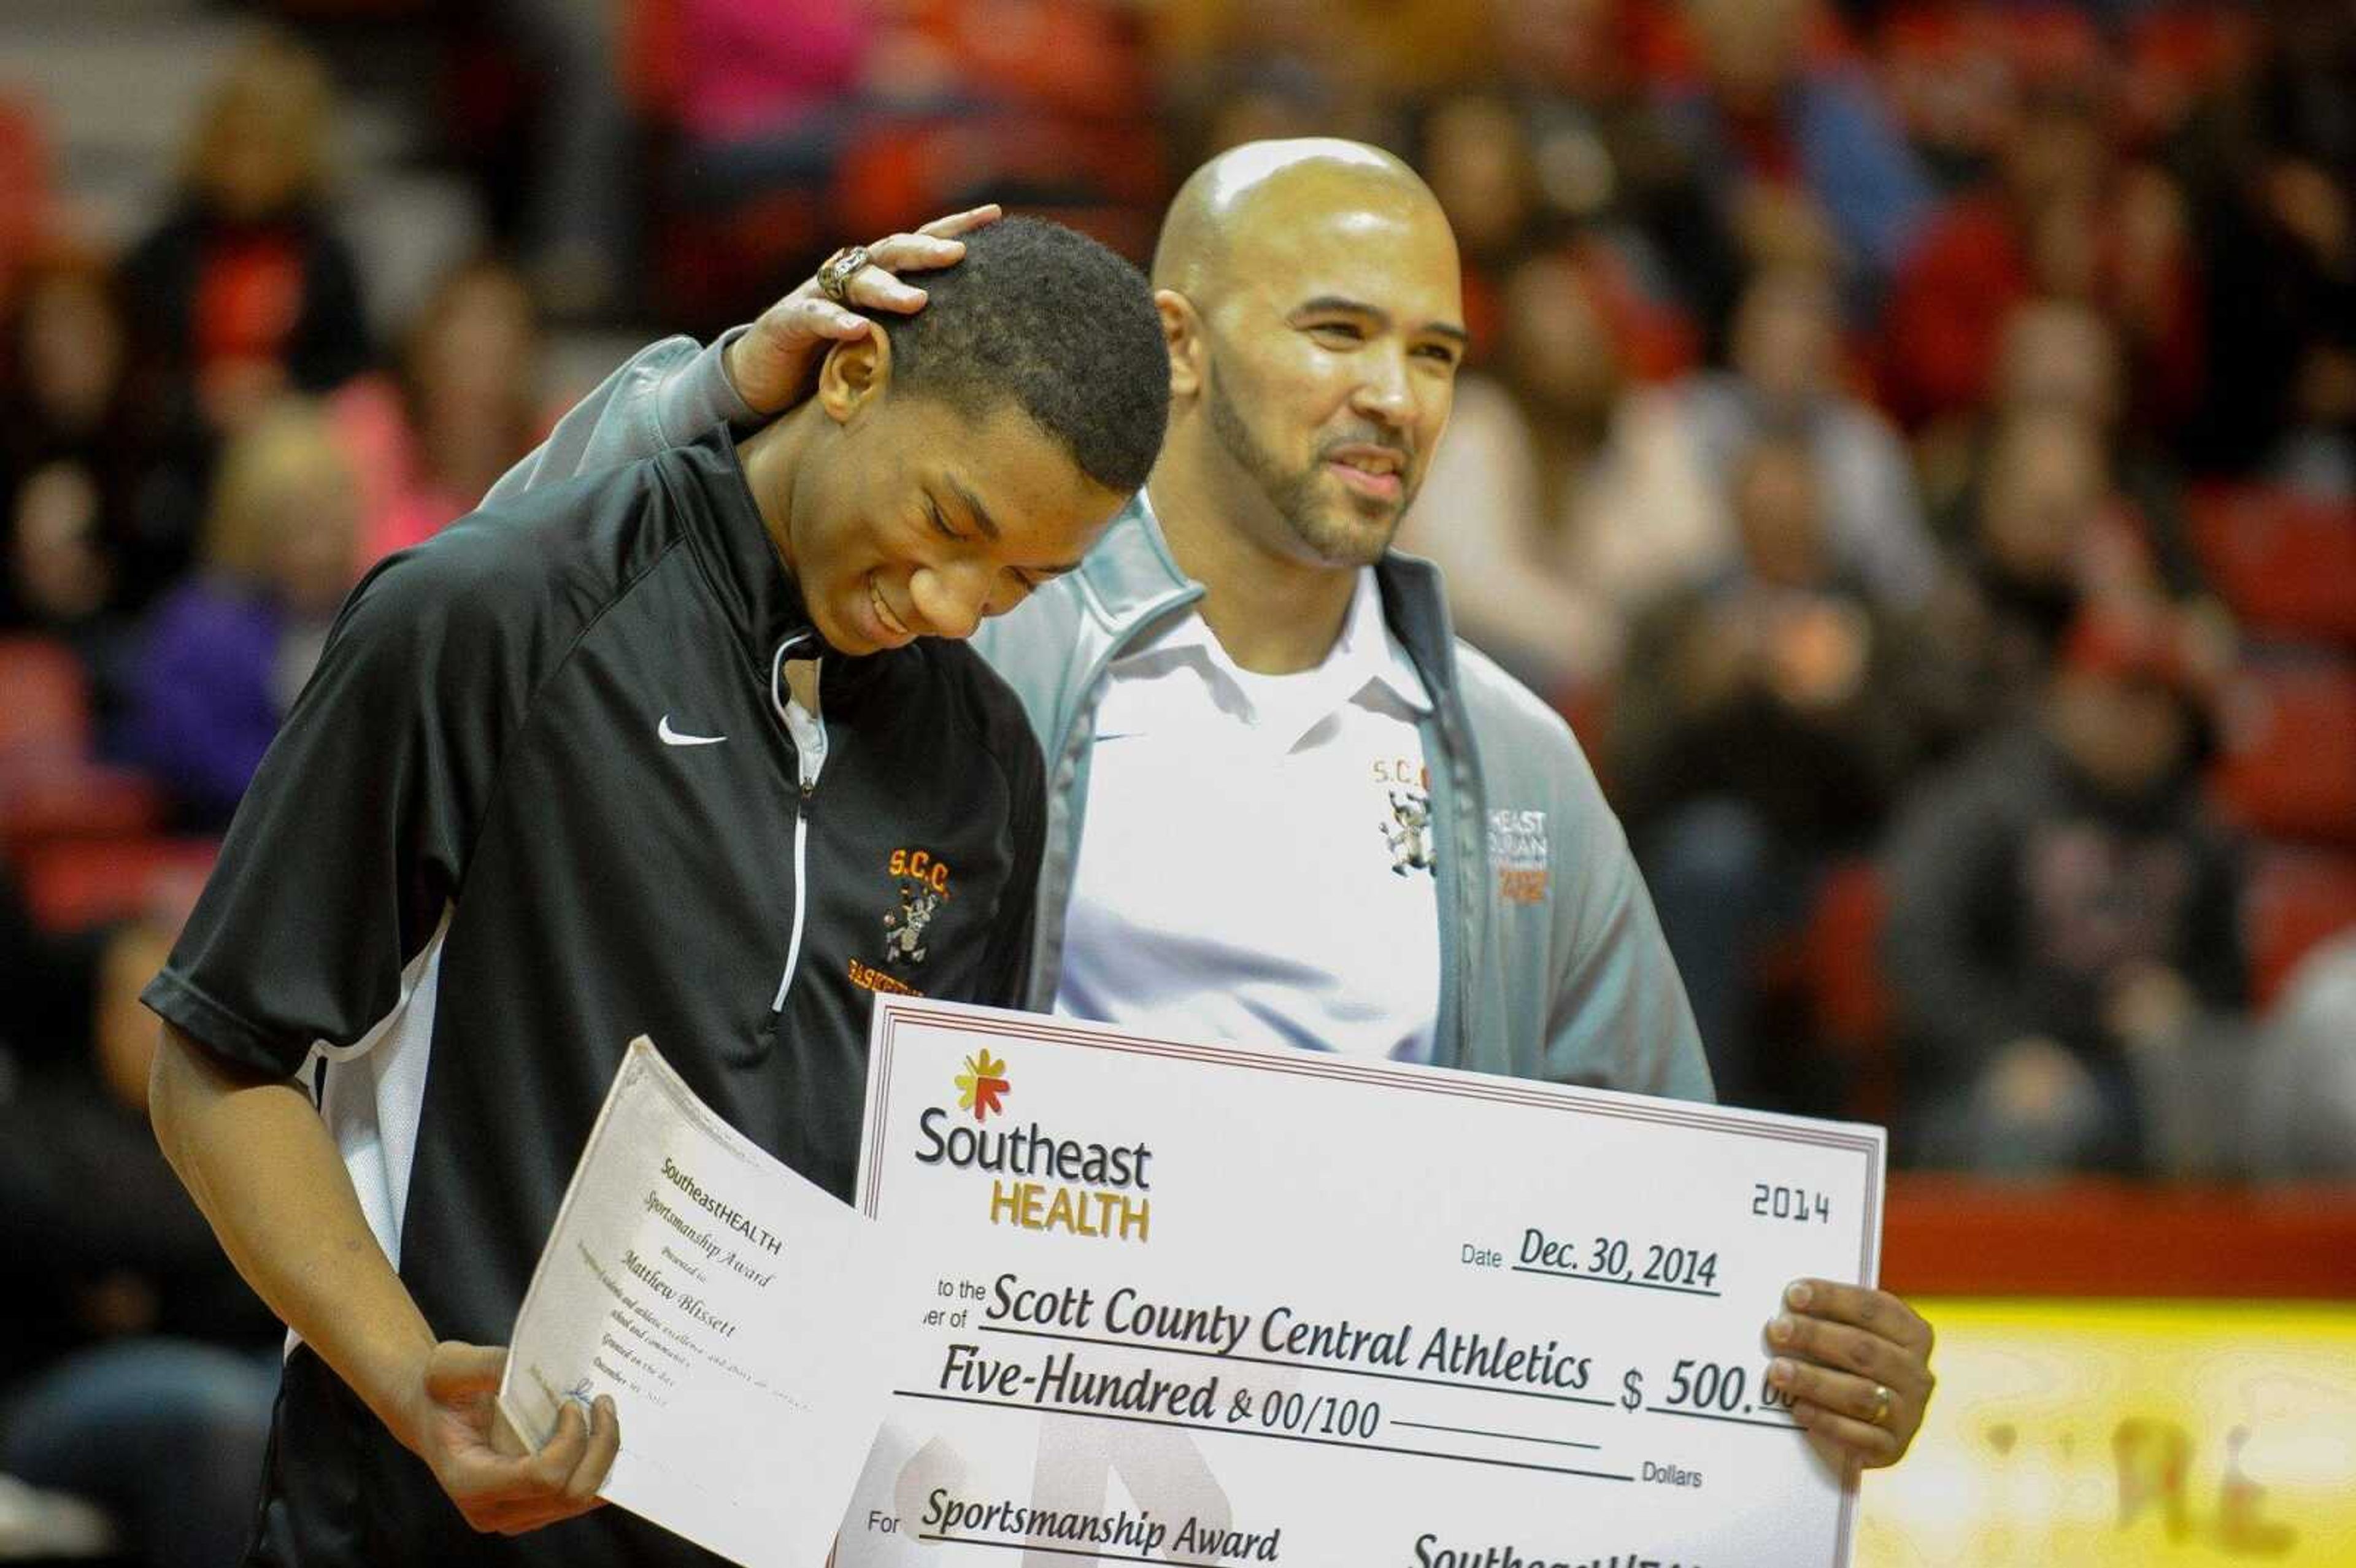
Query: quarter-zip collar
x,y
763,602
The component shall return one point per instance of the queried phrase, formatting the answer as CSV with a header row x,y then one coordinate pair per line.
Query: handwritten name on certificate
x,y
1188,1304
723,1301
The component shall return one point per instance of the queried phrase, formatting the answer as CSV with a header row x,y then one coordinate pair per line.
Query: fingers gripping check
x,y
1856,1363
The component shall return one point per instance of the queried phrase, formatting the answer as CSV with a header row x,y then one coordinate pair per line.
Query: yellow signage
x,y
2137,1434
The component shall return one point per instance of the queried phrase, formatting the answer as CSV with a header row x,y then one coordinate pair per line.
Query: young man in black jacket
x,y
681,749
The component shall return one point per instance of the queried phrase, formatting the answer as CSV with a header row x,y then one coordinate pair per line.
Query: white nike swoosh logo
x,y
671,737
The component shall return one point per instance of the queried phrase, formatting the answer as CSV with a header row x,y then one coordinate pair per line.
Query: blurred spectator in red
x,y
1803,162
2272,166
2043,537
2064,218
2064,357
1763,727
1563,496
2060,901
869,115
246,290
1078,58
228,652
1782,379
760,66
770,88
1950,71
428,440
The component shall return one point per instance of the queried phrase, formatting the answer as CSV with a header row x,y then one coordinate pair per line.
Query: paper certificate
x,y
721,1300
1188,1304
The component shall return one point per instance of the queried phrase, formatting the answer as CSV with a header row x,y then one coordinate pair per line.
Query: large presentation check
x,y
1180,1303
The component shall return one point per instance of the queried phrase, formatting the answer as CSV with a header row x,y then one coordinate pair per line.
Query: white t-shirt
x,y
1255,856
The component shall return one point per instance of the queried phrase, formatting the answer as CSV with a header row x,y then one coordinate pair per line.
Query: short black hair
x,y
1049,318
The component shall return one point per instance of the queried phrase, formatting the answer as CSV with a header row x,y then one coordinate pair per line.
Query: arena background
x,y
1851,382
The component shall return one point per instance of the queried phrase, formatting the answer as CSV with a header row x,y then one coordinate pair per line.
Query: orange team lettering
x,y
876,980
920,866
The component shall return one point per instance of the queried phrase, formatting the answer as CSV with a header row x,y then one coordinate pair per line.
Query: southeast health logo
x,y
1040,1179
982,1086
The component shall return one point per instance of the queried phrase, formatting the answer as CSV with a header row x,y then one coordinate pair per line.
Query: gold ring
x,y
834,277
1882,1400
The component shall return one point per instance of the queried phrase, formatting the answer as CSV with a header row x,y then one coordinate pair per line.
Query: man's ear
x,y
855,374
1182,330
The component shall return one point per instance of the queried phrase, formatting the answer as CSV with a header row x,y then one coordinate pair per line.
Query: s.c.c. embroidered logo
x,y
982,1087
924,884
1407,828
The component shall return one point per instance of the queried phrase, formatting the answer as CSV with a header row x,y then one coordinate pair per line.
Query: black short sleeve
x,y
354,836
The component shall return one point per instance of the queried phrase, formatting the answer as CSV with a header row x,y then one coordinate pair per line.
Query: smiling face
x,y
904,518
1329,337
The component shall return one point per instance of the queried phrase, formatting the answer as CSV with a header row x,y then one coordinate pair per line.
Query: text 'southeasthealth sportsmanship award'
x,y
1174,1303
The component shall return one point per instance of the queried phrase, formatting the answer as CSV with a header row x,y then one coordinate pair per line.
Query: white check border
x,y
893,1012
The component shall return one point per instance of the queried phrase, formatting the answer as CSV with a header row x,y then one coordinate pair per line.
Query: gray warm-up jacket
x,y
1552,964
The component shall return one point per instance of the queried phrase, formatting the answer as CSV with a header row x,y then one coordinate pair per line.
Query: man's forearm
x,y
261,1167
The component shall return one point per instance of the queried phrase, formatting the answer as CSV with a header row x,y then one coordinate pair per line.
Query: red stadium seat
x,y
651,57
23,190
1830,970
44,703
2297,898
2176,56
1841,957
73,886
2285,563
72,802
1844,947
50,788
2288,762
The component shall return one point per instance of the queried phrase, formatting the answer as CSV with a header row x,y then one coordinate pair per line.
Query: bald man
x,y
1286,806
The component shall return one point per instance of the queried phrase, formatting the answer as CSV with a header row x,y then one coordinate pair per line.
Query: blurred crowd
x,y
1914,443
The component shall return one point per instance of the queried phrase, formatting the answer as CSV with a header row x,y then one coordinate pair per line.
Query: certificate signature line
x,y
1731,1419
1515,1436
1608,1279
1301,1366
1094,1554
1276,1437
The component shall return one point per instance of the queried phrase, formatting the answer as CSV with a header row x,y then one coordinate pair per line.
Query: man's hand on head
x,y
771,363
1856,1363
456,1430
